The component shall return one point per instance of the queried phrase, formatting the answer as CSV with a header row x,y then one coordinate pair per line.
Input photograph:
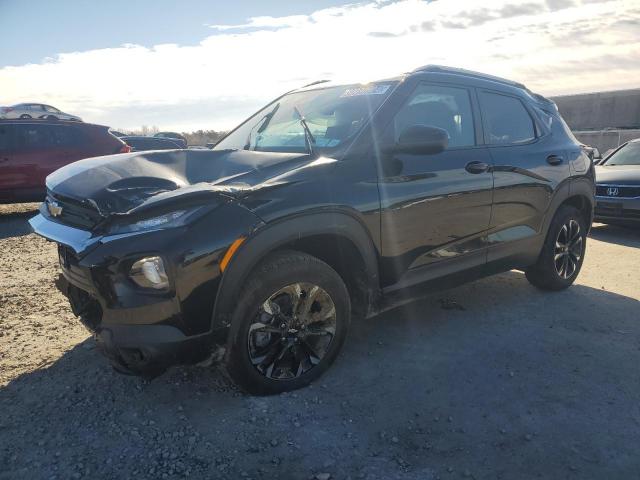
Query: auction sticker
x,y
365,90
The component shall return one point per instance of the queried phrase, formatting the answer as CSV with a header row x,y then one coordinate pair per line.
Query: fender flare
x,y
576,187
281,232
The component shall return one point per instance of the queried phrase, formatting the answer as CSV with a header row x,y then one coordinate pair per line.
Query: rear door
x,y
529,165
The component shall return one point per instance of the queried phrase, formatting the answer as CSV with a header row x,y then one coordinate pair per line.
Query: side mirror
x,y
596,154
420,140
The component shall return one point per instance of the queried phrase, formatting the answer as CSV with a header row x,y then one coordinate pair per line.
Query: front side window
x,y
627,155
448,108
506,120
51,109
334,115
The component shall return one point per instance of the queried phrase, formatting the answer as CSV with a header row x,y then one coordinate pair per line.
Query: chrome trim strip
x,y
78,240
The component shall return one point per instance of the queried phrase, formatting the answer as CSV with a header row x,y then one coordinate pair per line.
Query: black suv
x,y
324,205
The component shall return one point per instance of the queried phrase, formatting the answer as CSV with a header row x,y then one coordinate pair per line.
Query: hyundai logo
x,y
612,191
54,209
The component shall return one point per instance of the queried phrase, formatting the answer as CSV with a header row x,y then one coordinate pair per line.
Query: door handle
x,y
476,167
554,160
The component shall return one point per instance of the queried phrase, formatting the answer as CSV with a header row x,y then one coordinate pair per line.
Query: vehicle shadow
x,y
488,378
14,219
627,236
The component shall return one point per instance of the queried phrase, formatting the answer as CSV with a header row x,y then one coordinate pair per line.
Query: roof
x,y
467,73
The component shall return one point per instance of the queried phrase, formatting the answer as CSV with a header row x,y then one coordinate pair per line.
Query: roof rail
x,y
317,82
467,73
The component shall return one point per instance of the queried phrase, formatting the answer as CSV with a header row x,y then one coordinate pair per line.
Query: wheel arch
x,y
582,197
337,238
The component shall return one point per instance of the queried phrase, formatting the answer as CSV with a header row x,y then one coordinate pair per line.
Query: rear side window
x,y
448,108
506,120
62,136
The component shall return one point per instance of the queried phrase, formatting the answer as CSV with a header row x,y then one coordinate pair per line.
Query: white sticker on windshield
x,y
365,90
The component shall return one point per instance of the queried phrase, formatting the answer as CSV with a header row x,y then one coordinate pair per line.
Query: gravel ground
x,y
490,380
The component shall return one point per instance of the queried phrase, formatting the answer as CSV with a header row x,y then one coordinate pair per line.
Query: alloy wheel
x,y
292,331
568,249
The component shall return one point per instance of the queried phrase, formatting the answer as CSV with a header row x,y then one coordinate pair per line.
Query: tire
x,y
272,350
563,251
51,117
24,115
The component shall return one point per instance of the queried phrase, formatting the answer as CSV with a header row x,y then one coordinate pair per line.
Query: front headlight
x,y
167,220
149,272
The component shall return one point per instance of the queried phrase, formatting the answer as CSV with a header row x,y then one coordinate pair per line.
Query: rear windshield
x,y
333,115
627,155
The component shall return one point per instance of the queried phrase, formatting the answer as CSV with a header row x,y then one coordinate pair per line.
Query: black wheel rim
x,y
292,331
568,249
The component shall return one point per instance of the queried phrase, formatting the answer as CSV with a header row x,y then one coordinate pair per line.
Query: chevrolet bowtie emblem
x,y
54,209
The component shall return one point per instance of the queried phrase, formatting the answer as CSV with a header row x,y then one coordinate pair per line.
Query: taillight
x,y
125,149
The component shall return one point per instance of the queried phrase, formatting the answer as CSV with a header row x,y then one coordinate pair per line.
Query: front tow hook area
x,y
83,305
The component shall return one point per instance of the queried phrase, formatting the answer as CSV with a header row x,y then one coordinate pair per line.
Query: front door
x,y
435,208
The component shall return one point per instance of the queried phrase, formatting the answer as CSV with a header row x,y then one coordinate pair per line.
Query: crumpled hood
x,y
118,184
618,174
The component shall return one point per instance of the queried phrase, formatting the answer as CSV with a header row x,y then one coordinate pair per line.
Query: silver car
x,y
36,110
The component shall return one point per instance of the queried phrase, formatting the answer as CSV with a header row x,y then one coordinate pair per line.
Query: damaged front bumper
x,y
145,330
147,349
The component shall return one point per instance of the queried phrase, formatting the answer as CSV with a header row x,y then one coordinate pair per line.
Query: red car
x,y
32,149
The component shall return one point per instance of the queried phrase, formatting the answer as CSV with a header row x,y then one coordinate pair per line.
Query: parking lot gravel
x,y
490,380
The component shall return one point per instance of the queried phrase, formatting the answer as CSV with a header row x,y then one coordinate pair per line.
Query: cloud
x,y
267,22
552,46
517,10
559,4
385,34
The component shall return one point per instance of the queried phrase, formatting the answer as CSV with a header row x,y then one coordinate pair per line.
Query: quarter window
x,y
448,108
506,120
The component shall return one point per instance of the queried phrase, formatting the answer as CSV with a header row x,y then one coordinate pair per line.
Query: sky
x,y
196,64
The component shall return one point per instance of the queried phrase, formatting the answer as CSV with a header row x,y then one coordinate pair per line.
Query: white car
x,y
36,110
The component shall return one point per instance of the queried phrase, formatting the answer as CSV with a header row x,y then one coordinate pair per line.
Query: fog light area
x,y
149,272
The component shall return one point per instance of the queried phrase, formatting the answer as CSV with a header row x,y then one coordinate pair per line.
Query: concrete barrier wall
x,y
598,111
603,140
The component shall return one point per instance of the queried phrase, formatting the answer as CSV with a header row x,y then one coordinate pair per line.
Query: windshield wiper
x,y
263,123
308,136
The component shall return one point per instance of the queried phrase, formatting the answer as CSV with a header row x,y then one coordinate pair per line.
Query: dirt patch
x,y
490,380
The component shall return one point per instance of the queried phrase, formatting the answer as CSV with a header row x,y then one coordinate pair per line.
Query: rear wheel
x,y
563,252
289,324
24,115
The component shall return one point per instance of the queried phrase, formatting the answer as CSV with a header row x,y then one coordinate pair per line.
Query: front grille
x,y
73,212
617,213
617,191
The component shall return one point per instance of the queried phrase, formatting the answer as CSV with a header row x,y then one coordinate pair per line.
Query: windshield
x,y
330,116
627,155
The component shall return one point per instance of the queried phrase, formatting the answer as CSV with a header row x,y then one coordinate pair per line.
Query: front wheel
x,y
289,324
25,116
563,251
